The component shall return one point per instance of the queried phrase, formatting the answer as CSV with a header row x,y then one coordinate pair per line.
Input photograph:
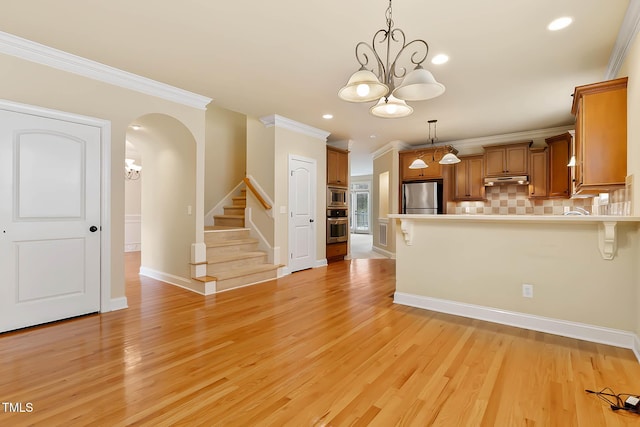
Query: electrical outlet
x,y
527,290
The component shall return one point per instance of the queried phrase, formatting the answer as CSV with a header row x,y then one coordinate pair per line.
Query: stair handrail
x,y
254,190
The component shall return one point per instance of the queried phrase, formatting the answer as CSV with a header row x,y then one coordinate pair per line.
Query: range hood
x,y
502,180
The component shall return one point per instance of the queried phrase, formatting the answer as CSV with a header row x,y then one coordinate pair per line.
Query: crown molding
x,y
626,36
390,146
283,122
41,54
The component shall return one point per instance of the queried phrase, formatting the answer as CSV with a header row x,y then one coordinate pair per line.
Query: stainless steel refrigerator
x,y
420,198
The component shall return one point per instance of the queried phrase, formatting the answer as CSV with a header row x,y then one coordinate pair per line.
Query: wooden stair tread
x,y
229,216
235,257
232,242
205,279
222,228
245,271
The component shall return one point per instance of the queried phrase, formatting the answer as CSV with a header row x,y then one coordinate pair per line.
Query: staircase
x,y
233,258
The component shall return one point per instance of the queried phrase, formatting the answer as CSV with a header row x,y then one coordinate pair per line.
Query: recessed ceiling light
x,y
136,127
560,23
327,116
440,59
372,137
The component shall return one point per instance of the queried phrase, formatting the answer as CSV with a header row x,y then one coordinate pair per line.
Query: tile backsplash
x,y
514,200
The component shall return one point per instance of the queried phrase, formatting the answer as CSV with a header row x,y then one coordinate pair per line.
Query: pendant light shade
x,y
449,159
419,85
363,86
418,164
391,108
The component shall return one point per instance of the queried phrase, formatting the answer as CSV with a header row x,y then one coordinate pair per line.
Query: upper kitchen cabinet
x,y
559,172
539,168
434,169
601,136
469,174
337,167
509,159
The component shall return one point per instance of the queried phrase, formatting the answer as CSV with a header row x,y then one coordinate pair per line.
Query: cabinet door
x,y
434,169
604,138
475,172
469,174
409,174
494,161
462,182
538,179
516,160
337,168
559,172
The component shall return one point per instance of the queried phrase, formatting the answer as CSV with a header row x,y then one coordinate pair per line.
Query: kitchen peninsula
x,y
582,271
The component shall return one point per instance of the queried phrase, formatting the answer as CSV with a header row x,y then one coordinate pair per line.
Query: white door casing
x,y
302,213
50,198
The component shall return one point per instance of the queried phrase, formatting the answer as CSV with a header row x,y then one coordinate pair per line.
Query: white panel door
x,y
49,220
302,196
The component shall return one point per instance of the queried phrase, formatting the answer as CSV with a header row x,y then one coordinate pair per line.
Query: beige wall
x,y
387,162
631,69
30,83
268,150
225,153
168,194
486,263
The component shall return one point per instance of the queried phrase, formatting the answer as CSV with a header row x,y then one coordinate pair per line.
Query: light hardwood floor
x,y
319,347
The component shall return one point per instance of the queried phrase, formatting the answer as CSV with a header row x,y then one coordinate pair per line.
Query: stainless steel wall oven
x,y
337,225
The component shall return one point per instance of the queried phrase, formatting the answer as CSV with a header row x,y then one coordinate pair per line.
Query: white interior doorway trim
x,y
106,304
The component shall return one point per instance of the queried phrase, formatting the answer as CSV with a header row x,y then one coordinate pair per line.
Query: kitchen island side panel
x,y
486,264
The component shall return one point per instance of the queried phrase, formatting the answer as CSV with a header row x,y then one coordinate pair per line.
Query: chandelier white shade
x,y
419,85
379,83
418,164
391,108
363,86
449,159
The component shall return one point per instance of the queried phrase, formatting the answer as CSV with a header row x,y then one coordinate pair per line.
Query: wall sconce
x,y
131,170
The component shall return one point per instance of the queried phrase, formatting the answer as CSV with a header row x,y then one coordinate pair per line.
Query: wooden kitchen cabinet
x,y
336,251
337,167
469,175
559,148
508,159
433,171
601,136
539,177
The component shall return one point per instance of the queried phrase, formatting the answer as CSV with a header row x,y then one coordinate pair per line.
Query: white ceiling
x,y
507,73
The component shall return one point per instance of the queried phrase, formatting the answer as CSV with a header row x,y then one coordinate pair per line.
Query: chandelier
x,y
131,170
449,158
365,86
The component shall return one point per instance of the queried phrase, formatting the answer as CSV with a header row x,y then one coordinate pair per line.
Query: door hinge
x,y
291,255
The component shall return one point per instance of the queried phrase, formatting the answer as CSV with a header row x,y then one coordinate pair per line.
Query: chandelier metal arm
x,y
363,58
419,44
387,71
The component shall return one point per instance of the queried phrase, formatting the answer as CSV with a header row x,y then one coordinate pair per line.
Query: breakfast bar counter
x,y
572,275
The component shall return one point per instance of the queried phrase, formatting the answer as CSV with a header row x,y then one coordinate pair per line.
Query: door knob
x,y
93,229
311,220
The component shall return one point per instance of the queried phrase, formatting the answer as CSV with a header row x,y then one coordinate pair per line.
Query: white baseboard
x,y
321,263
119,303
388,254
168,278
560,327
